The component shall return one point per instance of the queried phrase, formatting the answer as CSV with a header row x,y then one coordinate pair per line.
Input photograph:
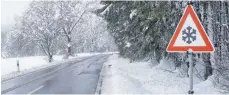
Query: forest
x,y
143,29
57,27
138,30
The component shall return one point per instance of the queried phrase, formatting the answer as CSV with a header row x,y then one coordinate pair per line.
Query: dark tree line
x,y
142,31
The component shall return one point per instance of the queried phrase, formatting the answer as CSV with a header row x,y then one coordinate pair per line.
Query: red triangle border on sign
x,y
208,48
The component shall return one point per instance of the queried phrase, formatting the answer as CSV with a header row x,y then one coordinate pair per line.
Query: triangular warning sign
x,y
190,34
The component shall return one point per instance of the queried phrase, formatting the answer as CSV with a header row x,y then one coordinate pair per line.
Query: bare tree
x,y
40,24
70,14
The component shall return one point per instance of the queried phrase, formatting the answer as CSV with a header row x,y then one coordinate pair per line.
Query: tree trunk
x,y
47,52
227,23
69,46
208,65
207,56
68,36
50,58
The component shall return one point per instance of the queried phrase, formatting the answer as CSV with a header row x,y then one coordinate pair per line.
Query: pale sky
x,y
10,9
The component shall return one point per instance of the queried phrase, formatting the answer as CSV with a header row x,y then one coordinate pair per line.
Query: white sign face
x,y
190,37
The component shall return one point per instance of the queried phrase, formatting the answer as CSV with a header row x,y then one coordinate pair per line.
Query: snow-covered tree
x,y
41,25
70,15
142,30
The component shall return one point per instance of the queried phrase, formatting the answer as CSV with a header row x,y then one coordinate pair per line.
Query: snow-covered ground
x,y
9,65
121,77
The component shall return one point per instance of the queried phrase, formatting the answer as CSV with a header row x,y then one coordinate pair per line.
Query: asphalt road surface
x,y
79,76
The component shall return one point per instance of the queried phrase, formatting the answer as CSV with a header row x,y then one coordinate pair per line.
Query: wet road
x,y
79,76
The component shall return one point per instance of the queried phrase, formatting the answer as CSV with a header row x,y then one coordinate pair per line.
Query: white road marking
x,y
35,90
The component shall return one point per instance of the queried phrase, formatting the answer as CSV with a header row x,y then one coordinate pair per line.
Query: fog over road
x,y
75,77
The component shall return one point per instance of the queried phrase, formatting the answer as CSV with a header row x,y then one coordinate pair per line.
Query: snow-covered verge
x,y
9,65
89,54
33,63
27,65
122,77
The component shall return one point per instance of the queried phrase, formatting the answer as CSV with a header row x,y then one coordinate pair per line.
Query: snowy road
x,y
78,77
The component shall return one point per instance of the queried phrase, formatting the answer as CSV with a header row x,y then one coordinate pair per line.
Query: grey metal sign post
x,y
190,72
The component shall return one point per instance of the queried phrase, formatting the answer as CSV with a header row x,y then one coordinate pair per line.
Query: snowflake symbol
x,y
188,36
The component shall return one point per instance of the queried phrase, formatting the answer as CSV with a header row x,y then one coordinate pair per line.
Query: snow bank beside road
x,y
89,54
9,65
27,65
122,77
